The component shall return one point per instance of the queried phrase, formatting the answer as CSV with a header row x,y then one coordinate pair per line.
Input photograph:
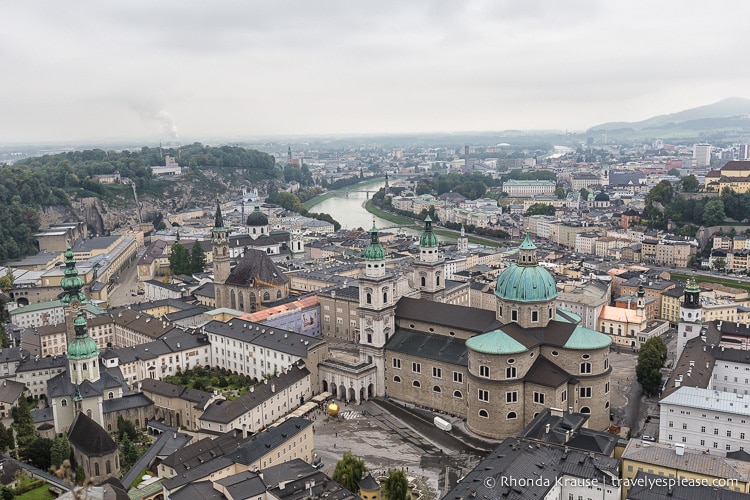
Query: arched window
x,y
111,395
232,300
278,294
416,383
457,394
385,297
369,298
436,389
96,468
109,427
511,415
64,402
108,467
611,330
424,281
484,414
88,413
85,366
266,296
437,279
397,379
586,410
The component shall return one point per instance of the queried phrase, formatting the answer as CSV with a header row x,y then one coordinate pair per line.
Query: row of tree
x,y
651,358
350,470
183,262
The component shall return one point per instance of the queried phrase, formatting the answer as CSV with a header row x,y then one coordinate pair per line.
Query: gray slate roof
x,y
256,264
264,336
449,315
430,346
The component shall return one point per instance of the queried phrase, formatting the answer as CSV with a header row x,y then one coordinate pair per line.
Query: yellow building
x,y
675,461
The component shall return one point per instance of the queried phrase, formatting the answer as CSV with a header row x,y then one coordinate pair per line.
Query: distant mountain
x,y
712,115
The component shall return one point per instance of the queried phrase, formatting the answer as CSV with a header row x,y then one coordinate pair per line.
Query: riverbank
x,y
445,233
329,194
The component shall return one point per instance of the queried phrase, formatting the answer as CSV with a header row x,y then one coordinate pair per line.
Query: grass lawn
x,y
41,493
710,279
403,221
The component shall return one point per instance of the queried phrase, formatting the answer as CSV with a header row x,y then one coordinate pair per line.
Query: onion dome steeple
x,y
428,238
374,250
692,295
82,346
71,283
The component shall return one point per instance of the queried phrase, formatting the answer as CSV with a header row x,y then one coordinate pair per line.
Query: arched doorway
x,y
342,392
362,395
370,391
352,395
325,386
334,390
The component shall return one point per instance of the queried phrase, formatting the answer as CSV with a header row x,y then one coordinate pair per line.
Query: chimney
x,y
546,429
273,387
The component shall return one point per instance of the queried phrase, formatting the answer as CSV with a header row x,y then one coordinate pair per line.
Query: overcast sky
x,y
199,70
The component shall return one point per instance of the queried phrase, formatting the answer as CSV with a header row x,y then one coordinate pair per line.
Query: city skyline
x,y
186,71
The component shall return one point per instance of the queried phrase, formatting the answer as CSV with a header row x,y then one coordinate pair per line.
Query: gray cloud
x,y
76,70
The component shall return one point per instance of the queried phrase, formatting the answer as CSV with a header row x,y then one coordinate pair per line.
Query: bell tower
x,y
220,248
72,298
429,269
689,326
377,304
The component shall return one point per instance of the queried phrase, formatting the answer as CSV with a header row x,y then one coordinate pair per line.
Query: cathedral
x,y
255,282
496,369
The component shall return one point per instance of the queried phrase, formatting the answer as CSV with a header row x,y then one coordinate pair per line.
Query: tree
x,y
690,184
584,194
5,283
126,427
37,452
4,340
713,213
60,451
396,486
540,209
662,192
128,451
197,258
560,192
80,476
23,423
349,472
675,172
179,260
719,264
651,358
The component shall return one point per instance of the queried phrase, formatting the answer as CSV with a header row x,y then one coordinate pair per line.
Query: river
x,y
350,211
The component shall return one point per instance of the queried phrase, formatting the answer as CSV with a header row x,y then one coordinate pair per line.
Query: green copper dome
x,y
428,238
375,250
526,284
584,338
495,342
526,280
71,283
82,346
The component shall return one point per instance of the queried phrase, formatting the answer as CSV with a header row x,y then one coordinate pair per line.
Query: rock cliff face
x,y
102,217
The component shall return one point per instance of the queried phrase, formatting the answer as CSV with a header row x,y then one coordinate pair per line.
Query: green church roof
x,y
428,238
584,338
71,283
495,342
526,284
82,346
527,244
374,250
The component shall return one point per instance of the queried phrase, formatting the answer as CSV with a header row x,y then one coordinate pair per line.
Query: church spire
x,y
218,219
527,253
71,283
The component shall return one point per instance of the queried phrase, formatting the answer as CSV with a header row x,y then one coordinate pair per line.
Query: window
x,y
586,410
457,394
111,395
564,396
534,316
514,315
416,384
96,468
538,397
484,371
436,389
606,388
458,377
416,367
703,428
585,392
397,363
64,402
484,395
511,397
397,379
510,372
729,434
108,467
437,372
671,423
716,432
511,415
585,367
484,414
684,427
369,298
606,363
703,442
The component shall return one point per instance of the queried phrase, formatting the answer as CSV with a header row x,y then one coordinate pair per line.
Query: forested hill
x,y
33,184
